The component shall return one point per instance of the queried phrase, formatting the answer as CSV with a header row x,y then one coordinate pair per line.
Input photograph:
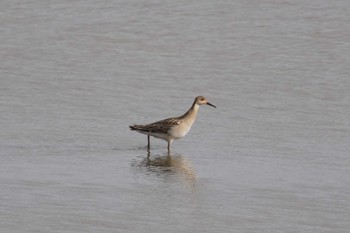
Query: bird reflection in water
x,y
166,166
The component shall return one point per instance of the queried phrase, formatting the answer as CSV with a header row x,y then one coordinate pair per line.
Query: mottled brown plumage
x,y
162,126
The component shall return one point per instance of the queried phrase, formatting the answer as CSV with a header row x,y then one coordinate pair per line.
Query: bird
x,y
172,128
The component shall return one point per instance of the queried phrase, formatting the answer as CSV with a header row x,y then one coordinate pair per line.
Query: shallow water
x,y
273,157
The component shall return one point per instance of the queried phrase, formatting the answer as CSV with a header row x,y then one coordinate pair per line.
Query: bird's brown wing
x,y
162,126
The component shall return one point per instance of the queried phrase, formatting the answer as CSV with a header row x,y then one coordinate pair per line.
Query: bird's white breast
x,y
182,129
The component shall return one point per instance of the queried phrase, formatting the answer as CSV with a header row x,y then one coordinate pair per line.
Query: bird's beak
x,y
211,105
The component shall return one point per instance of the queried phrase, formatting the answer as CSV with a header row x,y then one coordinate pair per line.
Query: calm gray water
x,y
273,157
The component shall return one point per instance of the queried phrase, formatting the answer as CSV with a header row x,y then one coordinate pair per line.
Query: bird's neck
x,y
192,112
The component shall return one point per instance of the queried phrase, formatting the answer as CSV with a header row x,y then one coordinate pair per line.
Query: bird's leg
x,y
169,144
148,145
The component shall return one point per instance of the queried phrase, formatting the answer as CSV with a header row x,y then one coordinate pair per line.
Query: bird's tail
x,y
134,127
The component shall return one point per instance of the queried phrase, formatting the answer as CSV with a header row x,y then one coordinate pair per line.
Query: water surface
x,y
273,157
